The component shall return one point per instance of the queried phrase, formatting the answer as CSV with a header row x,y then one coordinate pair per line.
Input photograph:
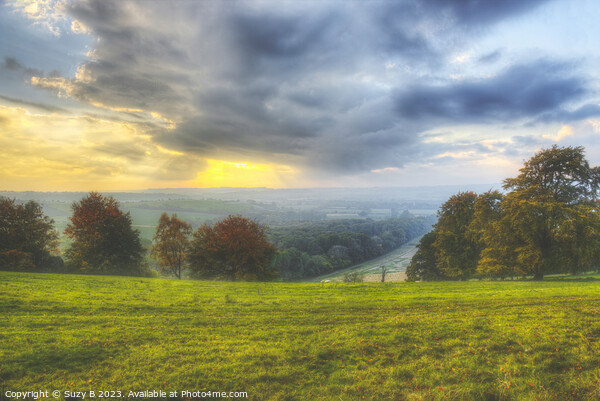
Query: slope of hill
x,y
395,263
274,341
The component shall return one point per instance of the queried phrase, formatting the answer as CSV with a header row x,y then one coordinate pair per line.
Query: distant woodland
x,y
316,248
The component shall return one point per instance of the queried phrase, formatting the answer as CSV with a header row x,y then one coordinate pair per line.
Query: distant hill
x,y
269,206
437,193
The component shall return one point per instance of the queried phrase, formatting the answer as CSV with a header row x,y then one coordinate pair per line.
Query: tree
x,y
235,248
384,270
497,257
171,244
559,174
457,251
291,263
103,240
28,240
452,250
549,220
424,265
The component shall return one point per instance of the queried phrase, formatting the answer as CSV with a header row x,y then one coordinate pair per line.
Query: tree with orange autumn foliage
x,y
171,244
103,240
233,249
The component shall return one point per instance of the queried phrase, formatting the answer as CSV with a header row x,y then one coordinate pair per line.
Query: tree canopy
x,y
457,252
171,244
103,239
28,240
424,265
310,249
235,248
547,222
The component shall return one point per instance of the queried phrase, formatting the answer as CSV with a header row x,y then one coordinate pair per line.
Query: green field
x,y
313,341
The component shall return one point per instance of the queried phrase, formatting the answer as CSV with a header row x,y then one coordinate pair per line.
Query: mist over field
x,y
264,204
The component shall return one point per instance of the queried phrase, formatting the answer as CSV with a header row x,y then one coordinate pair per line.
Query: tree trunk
x,y
538,276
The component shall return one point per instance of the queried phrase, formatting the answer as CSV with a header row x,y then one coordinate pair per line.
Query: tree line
x,y
547,221
103,241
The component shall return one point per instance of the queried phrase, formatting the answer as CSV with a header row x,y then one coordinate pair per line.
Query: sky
x,y
118,95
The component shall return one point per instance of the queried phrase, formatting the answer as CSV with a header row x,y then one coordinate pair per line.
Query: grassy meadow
x,y
309,341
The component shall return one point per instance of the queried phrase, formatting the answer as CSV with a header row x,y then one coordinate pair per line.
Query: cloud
x,y
46,13
491,57
475,13
426,30
563,115
40,106
69,151
521,91
12,64
325,87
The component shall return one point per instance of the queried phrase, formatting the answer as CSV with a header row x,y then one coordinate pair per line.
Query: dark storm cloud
x,y
481,13
564,116
278,37
205,135
342,86
523,91
400,31
136,67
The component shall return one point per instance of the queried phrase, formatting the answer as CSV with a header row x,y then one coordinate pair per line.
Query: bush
x,y
353,277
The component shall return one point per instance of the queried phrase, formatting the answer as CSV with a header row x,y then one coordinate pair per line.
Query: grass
x,y
312,341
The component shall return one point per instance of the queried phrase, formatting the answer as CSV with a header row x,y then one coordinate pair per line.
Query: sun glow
x,y
221,173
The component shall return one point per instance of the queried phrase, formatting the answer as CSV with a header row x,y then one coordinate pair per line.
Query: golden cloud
x,y
66,152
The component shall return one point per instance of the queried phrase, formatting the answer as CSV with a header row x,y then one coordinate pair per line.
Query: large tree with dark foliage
x,y
451,250
103,239
235,248
550,219
28,240
456,251
424,265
